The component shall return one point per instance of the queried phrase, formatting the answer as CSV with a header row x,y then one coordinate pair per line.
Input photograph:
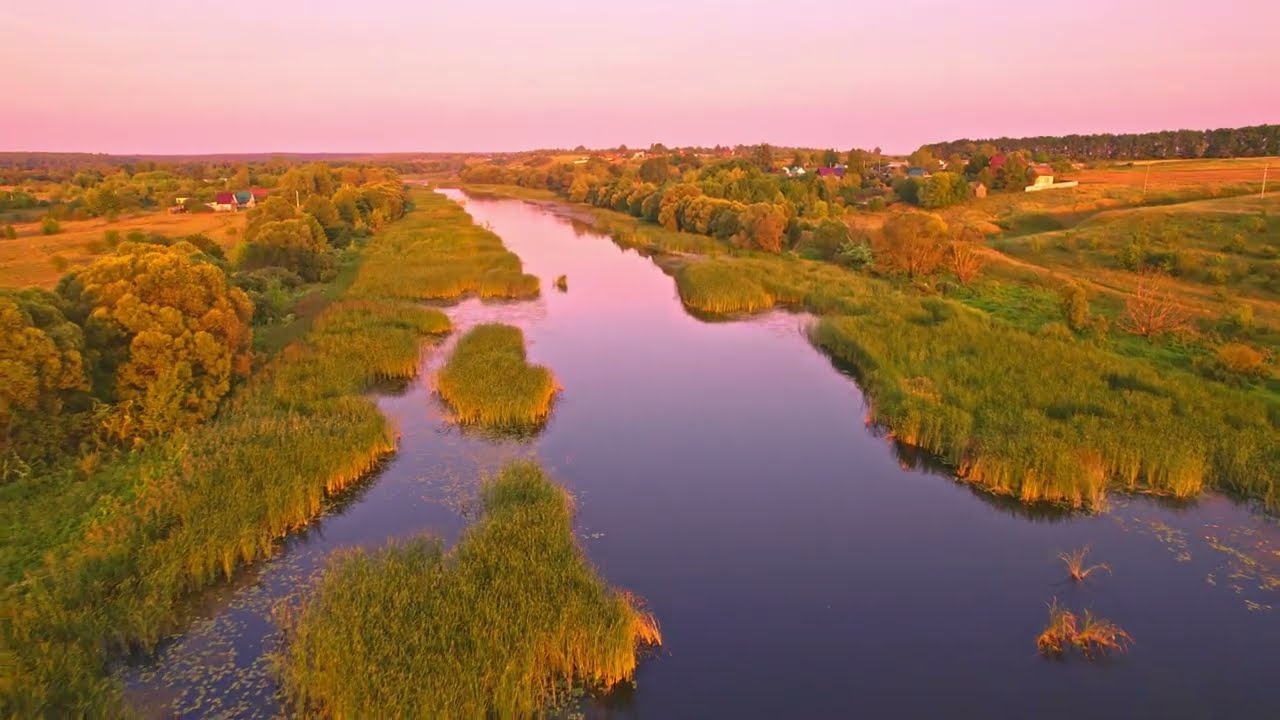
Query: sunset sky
x,y
388,75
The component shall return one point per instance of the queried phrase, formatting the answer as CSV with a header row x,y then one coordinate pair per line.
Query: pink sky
x,y
140,76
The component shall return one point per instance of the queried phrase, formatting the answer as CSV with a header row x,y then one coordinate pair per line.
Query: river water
x,y
800,564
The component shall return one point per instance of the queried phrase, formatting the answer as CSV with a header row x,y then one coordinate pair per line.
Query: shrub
x,y
1075,306
50,226
291,244
10,233
1240,359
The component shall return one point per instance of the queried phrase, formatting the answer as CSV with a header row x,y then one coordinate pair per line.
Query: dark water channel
x,y
800,565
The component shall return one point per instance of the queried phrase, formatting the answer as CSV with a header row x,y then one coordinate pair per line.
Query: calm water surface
x,y
800,565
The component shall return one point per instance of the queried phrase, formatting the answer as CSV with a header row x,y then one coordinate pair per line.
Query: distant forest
x,y
1163,145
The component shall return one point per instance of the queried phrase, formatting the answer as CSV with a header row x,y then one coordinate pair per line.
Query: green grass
x,y
437,253
500,626
488,382
101,557
714,287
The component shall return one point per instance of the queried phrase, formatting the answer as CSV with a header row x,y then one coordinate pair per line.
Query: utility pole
x,y
1265,168
1145,178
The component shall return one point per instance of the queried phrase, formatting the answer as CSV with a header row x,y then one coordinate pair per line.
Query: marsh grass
x,y
1093,636
438,253
1098,637
1077,567
562,283
503,625
111,567
710,286
488,382
1059,635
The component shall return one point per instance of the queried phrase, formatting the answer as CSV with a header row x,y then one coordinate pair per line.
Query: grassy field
x,y
487,381
501,626
101,558
35,259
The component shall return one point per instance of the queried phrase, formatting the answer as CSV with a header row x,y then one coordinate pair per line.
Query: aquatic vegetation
x,y
713,287
116,561
437,253
487,380
562,283
1097,637
1093,636
1058,636
499,626
1075,561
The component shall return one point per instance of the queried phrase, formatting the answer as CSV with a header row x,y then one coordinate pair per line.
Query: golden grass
x,y
488,382
1076,566
711,286
1093,636
501,626
30,260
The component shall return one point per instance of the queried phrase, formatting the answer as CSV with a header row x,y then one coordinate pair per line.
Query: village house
x,y
1043,180
979,189
223,202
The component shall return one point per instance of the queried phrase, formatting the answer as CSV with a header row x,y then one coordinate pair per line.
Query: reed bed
x,y
187,512
500,626
438,253
488,382
562,283
712,286
1093,636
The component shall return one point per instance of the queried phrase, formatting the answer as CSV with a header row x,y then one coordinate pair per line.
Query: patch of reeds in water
x,y
1093,636
1076,564
497,627
711,286
488,382
438,253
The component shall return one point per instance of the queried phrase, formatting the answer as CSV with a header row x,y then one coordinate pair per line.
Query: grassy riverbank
x,y
103,557
1031,410
488,382
498,627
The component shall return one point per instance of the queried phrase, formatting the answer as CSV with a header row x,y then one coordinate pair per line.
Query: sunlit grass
x,y
487,380
497,627
1076,564
710,286
1093,636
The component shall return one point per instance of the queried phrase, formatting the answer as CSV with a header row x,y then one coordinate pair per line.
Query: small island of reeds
x,y
502,625
488,382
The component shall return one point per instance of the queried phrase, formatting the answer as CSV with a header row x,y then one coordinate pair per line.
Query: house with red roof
x,y
223,202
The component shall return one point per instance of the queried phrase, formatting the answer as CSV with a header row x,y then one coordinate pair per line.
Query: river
x,y
799,563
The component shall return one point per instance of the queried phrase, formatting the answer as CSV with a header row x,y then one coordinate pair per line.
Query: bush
x,y
1240,359
291,244
10,233
50,226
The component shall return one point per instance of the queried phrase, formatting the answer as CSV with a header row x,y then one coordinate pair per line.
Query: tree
x,y
762,156
656,170
41,367
672,202
923,158
325,212
273,209
164,332
1151,310
942,190
764,224
298,245
830,158
912,243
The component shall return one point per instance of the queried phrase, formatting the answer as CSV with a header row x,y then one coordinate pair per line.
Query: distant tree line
x,y
1250,141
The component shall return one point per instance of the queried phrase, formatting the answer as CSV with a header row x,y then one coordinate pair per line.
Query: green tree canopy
x,y
165,332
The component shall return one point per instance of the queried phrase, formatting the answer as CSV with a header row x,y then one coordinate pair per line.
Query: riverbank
x,y
188,512
1037,415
